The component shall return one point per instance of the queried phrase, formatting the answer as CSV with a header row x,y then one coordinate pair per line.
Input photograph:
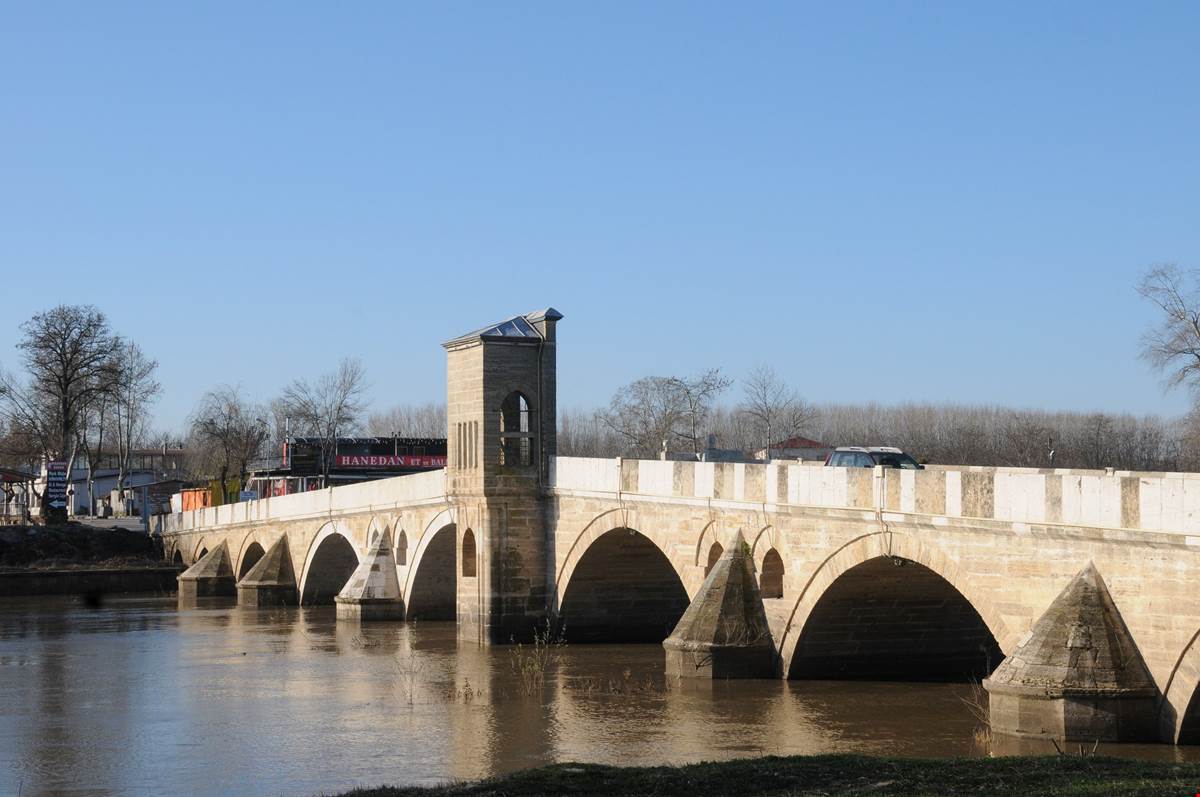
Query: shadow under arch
x,y
709,534
598,526
254,551
177,559
891,619
623,588
888,547
330,562
1189,723
431,591
714,555
770,575
401,547
1179,715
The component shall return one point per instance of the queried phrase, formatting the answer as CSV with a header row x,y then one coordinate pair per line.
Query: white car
x,y
870,456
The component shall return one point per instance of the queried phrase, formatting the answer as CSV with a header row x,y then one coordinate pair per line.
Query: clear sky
x,y
883,201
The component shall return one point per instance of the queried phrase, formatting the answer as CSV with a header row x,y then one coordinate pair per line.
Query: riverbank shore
x,y
1052,776
38,547
89,581
77,559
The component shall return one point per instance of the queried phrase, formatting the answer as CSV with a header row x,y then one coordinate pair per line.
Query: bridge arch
x,y
199,551
328,564
252,551
870,556
177,558
623,587
431,584
622,518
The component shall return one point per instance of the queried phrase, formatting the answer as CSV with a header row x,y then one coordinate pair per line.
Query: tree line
x,y
949,434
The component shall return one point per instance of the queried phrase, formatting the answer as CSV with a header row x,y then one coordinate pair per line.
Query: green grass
x,y
839,775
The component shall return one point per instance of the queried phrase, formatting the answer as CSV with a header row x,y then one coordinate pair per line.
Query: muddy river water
x,y
139,698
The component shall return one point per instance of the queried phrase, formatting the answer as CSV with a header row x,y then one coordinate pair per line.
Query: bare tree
x,y
645,415
584,433
132,389
1027,441
651,414
1093,441
32,420
231,430
67,352
698,394
93,424
409,420
774,409
329,407
1173,346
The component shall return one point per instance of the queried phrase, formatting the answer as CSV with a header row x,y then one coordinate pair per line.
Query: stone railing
x,y
380,495
1106,499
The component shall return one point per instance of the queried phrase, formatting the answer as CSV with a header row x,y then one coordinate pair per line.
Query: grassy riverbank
x,y
839,775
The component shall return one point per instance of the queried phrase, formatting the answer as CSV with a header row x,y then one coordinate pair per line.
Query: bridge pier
x,y
272,580
1079,675
211,576
724,633
373,591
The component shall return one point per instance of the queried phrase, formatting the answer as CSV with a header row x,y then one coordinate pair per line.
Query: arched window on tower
x,y
516,437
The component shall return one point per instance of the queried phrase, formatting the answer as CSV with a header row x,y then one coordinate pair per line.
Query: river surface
x,y
139,698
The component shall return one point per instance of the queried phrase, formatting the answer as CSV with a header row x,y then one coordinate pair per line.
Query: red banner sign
x,y
399,461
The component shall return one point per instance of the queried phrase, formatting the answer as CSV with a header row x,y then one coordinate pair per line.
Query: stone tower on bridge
x,y
501,420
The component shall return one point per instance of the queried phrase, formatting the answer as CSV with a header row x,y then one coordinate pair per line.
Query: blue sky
x,y
883,201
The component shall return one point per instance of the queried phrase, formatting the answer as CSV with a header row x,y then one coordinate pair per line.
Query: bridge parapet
x,y
383,494
1166,502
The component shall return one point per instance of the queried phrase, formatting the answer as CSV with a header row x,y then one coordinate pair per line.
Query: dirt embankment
x,y
75,546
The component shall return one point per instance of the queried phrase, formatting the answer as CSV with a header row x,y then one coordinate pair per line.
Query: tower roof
x,y
515,328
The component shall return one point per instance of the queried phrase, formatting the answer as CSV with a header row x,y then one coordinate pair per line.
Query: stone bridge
x,y
1081,582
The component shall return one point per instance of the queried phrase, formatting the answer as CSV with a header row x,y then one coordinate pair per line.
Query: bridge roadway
x,y
863,573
